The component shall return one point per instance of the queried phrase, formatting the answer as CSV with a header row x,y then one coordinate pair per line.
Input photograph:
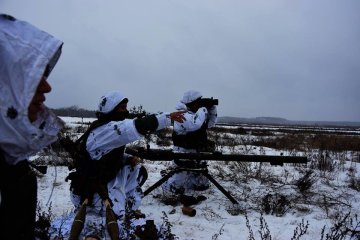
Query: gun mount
x,y
168,155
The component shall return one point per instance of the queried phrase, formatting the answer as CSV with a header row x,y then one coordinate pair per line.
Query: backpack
x,y
86,175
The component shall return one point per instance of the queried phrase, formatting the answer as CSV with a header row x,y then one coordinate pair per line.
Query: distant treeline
x,y
283,121
74,111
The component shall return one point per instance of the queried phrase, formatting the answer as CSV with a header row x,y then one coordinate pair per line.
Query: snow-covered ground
x,y
328,199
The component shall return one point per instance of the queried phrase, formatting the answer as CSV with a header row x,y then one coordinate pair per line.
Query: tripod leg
x,y
161,181
226,193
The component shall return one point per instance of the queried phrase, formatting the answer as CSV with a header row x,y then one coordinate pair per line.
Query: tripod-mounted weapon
x,y
168,155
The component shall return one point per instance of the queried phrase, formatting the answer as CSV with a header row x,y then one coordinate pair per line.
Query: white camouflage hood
x,y
188,97
25,51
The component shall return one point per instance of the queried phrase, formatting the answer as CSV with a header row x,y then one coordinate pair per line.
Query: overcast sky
x,y
298,60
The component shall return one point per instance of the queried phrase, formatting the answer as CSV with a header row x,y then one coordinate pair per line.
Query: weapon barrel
x,y
167,155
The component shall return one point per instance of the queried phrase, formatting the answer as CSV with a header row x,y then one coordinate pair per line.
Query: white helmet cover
x,y
109,101
190,96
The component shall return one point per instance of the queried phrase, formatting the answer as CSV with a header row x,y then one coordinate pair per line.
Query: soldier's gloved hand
x,y
177,116
133,161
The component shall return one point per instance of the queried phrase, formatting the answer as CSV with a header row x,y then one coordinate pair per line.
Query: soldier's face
x,y
37,102
121,107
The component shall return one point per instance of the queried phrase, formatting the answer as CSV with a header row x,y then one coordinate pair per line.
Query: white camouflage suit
x,y
193,121
124,190
26,53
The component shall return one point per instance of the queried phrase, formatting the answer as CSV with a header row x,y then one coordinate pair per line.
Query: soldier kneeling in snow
x,y
107,182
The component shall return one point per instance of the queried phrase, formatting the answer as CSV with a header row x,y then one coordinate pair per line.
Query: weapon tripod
x,y
198,168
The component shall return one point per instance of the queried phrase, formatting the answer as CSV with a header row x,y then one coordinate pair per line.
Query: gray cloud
x,y
294,59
